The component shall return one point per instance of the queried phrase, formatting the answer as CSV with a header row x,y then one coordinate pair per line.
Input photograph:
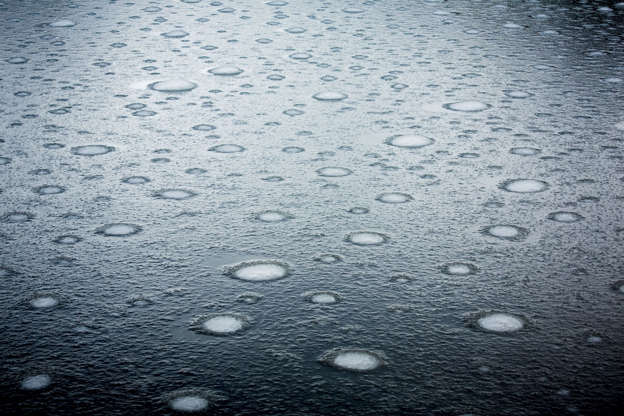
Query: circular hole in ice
x,y
394,198
177,194
357,360
366,238
565,216
92,150
226,70
409,141
618,286
173,85
4,160
227,148
333,172
500,322
119,229
467,106
293,149
43,302
524,186
329,96
38,382
260,270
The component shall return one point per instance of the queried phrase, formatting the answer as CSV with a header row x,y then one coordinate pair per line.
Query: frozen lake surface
x,y
311,207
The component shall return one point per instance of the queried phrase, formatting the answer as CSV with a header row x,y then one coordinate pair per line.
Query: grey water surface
x,y
311,207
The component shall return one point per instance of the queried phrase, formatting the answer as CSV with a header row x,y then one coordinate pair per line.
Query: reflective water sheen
x,y
309,208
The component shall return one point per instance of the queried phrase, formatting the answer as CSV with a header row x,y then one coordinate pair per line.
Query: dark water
x,y
418,167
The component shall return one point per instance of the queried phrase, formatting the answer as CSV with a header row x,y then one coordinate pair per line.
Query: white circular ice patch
x,y
44,302
173,85
260,271
467,106
409,141
366,238
500,322
188,404
38,382
394,198
329,96
524,186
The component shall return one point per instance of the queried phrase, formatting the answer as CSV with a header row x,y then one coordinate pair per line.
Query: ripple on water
x,y
227,148
173,85
67,239
467,106
63,23
273,216
192,400
48,189
525,151
176,194
618,286
92,150
459,269
394,198
366,238
496,322
506,232
226,71
524,186
118,229
409,141
17,217
353,359
329,96
565,216
36,382
333,172
259,270
135,180
220,324
329,258
325,297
